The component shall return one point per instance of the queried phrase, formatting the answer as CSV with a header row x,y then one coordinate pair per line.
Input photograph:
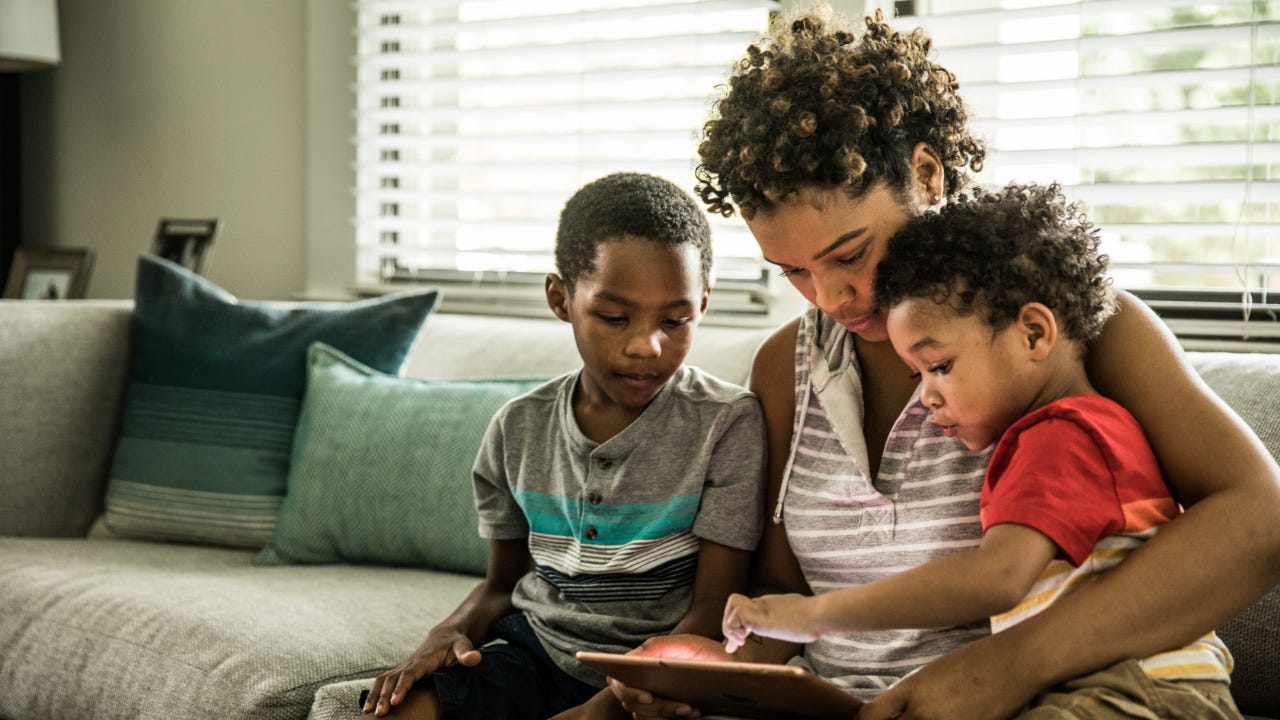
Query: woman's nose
x,y
830,293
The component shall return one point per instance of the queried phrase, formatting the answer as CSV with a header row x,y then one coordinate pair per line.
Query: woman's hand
x,y
644,704
966,684
442,648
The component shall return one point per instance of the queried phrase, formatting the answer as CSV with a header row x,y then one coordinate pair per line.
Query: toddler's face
x,y
975,384
633,319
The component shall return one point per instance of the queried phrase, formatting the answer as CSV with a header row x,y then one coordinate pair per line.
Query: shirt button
x,y
595,498
591,533
604,463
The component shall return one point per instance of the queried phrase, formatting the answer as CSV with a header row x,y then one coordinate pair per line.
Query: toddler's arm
x,y
952,590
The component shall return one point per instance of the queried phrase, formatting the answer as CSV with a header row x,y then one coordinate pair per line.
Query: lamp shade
x,y
28,35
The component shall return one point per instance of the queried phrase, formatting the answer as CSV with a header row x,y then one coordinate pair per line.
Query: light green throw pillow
x,y
381,468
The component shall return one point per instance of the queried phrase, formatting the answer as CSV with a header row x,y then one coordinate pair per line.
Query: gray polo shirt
x,y
614,527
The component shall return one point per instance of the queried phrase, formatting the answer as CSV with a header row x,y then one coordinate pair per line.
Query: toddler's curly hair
x,y
994,251
814,106
628,204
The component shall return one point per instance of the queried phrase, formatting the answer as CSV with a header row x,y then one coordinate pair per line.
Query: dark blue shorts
x,y
515,680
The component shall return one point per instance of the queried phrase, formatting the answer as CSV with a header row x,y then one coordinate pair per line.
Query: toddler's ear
x,y
1039,329
557,296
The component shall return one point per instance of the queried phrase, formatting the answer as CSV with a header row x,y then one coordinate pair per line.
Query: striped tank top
x,y
845,529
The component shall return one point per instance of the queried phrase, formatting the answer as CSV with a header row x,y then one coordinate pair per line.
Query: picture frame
x,y
49,273
185,241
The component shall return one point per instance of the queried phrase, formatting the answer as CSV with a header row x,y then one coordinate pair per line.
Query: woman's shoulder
x,y
1133,342
776,355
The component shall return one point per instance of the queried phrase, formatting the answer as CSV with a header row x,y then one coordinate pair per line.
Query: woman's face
x,y
828,246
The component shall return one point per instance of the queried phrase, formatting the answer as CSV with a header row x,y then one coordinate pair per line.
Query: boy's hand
x,y
785,617
643,704
441,649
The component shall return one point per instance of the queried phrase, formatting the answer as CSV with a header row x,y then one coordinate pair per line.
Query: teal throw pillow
x,y
213,395
381,468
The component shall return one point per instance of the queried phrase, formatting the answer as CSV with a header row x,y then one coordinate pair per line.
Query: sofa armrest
x,y
62,376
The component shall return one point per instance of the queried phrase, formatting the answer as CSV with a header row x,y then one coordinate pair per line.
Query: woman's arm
x,y
774,568
1200,570
1224,552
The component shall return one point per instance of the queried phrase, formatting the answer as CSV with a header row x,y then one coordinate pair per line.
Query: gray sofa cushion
x,y
196,632
1249,383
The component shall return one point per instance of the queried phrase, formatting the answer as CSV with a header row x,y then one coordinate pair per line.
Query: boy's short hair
x,y
995,251
628,204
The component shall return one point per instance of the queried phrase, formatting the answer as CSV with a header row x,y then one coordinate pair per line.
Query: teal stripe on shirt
x,y
614,524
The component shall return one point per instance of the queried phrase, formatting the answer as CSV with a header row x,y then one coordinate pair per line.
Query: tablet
x,y
757,690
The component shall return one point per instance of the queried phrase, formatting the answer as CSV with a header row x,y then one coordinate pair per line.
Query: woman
x,y
827,142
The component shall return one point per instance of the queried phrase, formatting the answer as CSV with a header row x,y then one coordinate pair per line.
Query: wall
x,y
238,109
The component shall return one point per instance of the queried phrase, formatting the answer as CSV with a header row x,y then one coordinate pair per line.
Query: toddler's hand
x,y
785,617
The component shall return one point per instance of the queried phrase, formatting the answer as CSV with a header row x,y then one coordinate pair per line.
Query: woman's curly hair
x,y
814,106
995,251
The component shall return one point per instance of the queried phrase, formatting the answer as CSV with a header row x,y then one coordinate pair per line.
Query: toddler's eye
x,y
941,368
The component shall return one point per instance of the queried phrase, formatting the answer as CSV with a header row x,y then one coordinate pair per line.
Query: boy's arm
x,y
952,590
722,570
453,641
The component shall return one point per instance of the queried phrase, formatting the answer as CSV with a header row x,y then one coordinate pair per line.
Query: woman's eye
x,y
853,259
790,272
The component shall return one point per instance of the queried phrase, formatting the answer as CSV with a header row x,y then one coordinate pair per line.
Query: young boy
x,y
622,500
992,302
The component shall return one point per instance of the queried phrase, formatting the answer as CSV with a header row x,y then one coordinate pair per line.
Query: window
x,y
1162,116
477,119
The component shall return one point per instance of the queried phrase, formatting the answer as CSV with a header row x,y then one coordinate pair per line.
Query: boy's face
x,y
976,385
633,319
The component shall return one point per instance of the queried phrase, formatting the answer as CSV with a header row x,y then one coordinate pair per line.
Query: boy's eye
x,y
612,319
680,322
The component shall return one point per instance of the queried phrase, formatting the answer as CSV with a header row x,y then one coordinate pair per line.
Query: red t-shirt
x,y
1078,470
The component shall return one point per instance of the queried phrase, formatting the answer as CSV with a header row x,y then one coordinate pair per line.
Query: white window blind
x,y
477,120
1162,116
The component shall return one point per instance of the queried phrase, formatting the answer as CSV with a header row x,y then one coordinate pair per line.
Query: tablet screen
x,y
757,690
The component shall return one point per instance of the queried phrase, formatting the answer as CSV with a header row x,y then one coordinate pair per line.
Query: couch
x,y
97,626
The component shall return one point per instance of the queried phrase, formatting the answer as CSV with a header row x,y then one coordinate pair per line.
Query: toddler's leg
x,y
1124,692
